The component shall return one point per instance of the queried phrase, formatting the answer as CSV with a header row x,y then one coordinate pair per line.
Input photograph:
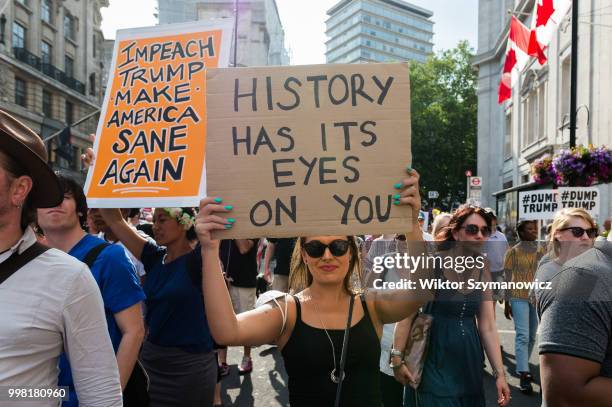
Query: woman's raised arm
x,y
256,327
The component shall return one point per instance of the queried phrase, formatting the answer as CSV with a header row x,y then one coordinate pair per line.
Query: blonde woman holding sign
x,y
311,327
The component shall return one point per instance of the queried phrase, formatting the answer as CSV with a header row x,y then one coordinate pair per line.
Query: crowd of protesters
x,y
135,308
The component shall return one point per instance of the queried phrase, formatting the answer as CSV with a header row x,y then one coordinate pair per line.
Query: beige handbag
x,y
416,346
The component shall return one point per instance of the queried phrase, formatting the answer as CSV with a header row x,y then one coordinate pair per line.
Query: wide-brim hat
x,y
24,146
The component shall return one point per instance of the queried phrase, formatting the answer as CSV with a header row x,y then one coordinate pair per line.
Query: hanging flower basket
x,y
580,166
542,170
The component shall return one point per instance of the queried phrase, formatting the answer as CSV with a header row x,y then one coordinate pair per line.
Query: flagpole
x,y
81,120
574,75
235,33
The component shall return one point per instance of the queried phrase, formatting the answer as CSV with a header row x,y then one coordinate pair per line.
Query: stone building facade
x,y
51,70
535,121
261,38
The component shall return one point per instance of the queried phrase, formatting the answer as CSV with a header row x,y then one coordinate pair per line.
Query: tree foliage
x,y
444,122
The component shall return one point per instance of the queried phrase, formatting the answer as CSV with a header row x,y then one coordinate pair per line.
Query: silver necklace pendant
x,y
335,378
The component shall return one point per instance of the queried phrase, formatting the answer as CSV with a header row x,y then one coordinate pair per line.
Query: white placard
x,y
544,203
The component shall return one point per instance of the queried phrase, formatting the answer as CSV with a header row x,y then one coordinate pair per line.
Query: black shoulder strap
x,y
364,305
347,331
92,255
298,309
17,261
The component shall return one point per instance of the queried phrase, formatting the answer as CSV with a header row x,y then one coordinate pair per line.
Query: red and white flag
x,y
547,16
517,56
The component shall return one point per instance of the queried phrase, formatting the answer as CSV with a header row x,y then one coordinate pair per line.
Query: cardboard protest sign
x,y
309,150
150,142
542,204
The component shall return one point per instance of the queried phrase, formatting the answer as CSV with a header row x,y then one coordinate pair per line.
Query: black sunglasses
x,y
474,229
577,231
316,249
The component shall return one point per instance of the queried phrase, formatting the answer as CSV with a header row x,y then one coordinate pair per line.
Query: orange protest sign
x,y
150,143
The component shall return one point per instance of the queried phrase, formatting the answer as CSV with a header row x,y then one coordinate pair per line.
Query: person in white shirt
x,y
426,236
52,304
495,249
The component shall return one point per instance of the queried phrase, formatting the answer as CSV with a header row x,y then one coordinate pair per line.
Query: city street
x,y
176,155
267,385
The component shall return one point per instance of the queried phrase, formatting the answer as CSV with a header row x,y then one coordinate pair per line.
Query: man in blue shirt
x,y
113,271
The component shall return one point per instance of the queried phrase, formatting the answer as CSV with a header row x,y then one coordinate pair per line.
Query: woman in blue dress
x,y
178,351
463,324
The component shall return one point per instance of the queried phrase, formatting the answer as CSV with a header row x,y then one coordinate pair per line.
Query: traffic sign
x,y
433,194
474,191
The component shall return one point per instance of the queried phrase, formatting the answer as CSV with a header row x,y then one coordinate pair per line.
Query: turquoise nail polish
x,y
396,196
218,200
228,226
231,220
229,207
398,185
409,169
396,202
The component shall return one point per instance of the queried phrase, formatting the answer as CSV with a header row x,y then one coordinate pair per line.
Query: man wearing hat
x,y
49,301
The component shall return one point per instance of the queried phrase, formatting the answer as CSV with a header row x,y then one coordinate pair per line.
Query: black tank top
x,y
309,362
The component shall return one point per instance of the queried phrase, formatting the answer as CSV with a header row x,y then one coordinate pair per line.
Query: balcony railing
x,y
26,56
50,70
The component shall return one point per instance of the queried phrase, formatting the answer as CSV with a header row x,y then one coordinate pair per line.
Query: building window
x,y
45,11
75,162
69,27
24,2
20,92
367,19
19,33
92,84
566,71
508,136
69,66
45,52
47,104
69,112
534,114
529,114
51,158
541,131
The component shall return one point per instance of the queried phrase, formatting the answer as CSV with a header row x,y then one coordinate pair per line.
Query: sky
x,y
304,23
